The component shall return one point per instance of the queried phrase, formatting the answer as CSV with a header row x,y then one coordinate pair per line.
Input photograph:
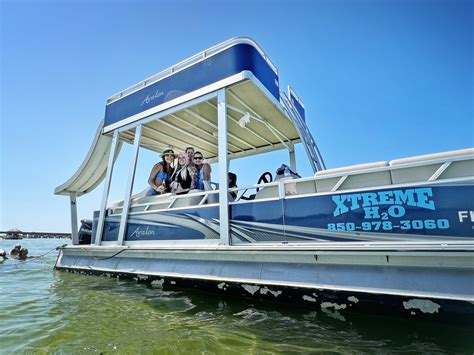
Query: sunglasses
x,y
197,158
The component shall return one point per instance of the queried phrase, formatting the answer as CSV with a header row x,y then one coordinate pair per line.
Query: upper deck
x,y
224,64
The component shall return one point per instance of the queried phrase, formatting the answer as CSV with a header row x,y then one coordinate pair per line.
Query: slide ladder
x,y
314,155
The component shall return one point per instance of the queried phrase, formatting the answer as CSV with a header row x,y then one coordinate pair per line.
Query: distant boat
x,y
387,237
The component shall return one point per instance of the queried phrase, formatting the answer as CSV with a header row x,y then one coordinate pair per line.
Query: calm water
x,y
44,311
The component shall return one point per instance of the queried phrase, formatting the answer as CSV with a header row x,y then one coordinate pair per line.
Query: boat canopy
x,y
254,124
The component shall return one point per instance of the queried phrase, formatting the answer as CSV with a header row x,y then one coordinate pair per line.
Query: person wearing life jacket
x,y
160,176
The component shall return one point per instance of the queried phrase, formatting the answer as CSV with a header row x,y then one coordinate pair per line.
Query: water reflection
x,y
113,314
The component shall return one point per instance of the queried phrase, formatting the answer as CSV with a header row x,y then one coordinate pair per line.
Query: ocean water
x,y
47,311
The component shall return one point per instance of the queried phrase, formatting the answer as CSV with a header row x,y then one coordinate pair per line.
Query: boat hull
x,y
426,283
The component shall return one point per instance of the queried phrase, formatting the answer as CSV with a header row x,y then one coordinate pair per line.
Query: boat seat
x,y
188,199
356,178
149,199
267,192
306,187
424,172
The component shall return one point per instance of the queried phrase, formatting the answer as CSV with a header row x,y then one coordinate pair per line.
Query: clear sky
x,y
380,80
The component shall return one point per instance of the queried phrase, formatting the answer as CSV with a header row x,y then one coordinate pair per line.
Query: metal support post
x,y
293,158
105,196
223,167
75,236
128,191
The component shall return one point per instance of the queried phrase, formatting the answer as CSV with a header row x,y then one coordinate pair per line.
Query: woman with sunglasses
x,y
203,172
184,177
160,176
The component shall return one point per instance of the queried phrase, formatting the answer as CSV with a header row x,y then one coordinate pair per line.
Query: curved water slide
x,y
94,167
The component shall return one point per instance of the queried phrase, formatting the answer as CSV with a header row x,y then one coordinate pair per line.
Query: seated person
x,y
184,177
16,250
160,176
232,183
190,152
203,172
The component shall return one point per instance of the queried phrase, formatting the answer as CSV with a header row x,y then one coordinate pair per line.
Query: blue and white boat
x,y
390,236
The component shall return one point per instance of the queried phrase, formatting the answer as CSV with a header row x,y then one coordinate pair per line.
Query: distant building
x,y
14,234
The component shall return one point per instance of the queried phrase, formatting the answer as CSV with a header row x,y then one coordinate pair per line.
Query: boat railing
x,y
195,198
452,167
455,167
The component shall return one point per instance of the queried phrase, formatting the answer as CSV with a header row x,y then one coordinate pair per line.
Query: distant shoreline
x,y
7,235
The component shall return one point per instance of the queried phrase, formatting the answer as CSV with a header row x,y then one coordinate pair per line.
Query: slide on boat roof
x,y
94,167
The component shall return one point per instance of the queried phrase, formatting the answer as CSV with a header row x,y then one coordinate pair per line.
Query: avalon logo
x,y
149,98
137,233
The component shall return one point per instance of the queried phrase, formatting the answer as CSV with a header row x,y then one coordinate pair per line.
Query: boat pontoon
x,y
390,236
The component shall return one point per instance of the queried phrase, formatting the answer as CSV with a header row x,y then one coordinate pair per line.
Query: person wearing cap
x,y
184,177
160,176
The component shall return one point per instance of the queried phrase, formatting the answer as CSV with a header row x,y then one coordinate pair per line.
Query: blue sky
x,y
380,80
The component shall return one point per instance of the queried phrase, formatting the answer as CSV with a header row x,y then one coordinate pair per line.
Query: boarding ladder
x,y
314,155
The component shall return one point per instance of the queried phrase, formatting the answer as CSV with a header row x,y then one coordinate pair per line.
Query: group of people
x,y
17,252
181,173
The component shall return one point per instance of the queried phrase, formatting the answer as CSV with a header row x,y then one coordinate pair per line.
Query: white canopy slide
x,y
94,167
89,175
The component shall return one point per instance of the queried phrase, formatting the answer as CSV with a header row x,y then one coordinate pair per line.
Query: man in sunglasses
x,y
204,172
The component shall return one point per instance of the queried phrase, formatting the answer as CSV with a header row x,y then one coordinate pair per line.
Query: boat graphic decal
x,y
415,214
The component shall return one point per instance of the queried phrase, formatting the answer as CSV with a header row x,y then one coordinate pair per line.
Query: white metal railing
x,y
190,61
289,187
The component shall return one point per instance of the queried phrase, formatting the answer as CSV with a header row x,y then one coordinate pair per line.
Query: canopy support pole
x,y
292,154
75,236
223,167
128,191
105,196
